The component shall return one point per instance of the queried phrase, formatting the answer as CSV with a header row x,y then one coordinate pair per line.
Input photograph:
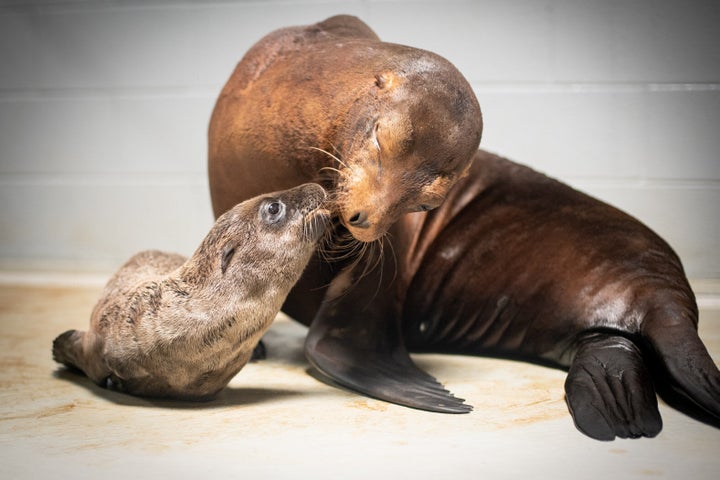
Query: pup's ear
x,y
227,255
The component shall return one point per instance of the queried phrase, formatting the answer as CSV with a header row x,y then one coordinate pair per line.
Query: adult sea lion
x,y
510,263
167,326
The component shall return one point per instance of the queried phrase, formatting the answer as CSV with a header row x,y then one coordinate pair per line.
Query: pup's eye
x,y
273,211
274,208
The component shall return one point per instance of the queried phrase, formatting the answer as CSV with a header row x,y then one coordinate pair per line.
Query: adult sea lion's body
x,y
167,326
512,263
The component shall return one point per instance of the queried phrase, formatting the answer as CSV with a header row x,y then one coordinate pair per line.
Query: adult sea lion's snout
x,y
367,223
361,229
369,217
359,219
372,201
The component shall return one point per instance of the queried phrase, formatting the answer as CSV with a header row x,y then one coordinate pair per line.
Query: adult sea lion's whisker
x,y
334,157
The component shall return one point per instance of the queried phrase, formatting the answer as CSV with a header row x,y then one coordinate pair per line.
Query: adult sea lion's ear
x,y
227,255
385,80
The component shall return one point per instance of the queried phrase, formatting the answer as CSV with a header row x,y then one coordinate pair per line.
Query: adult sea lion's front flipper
x,y
355,340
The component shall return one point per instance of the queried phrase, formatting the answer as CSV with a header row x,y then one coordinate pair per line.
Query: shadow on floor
x,y
229,396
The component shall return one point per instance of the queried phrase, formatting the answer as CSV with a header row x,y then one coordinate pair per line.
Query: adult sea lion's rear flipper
x,y
687,375
356,342
609,390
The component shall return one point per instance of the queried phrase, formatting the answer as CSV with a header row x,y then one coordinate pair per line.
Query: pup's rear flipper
x,y
80,351
67,349
686,374
609,390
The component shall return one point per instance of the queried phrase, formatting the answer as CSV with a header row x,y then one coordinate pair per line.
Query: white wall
x,y
104,108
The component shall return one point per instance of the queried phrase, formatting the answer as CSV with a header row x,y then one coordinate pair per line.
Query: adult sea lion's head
x,y
405,142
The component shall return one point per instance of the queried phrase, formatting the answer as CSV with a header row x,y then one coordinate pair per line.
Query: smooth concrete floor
x,y
275,420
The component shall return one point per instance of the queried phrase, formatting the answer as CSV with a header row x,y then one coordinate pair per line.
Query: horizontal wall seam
x,y
105,179
200,178
212,91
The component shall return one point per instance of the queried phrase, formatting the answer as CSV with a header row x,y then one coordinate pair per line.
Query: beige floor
x,y
276,421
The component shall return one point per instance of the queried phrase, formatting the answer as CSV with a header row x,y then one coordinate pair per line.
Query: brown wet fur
x,y
168,326
512,263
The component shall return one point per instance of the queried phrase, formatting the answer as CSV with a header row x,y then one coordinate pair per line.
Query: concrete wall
x,y
104,108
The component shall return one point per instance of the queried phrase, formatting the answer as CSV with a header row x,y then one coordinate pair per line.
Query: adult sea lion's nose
x,y
359,220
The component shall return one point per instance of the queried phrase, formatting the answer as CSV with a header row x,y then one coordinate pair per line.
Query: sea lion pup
x,y
167,326
511,263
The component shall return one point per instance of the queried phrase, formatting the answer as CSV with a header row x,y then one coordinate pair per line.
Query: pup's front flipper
x,y
609,390
259,352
